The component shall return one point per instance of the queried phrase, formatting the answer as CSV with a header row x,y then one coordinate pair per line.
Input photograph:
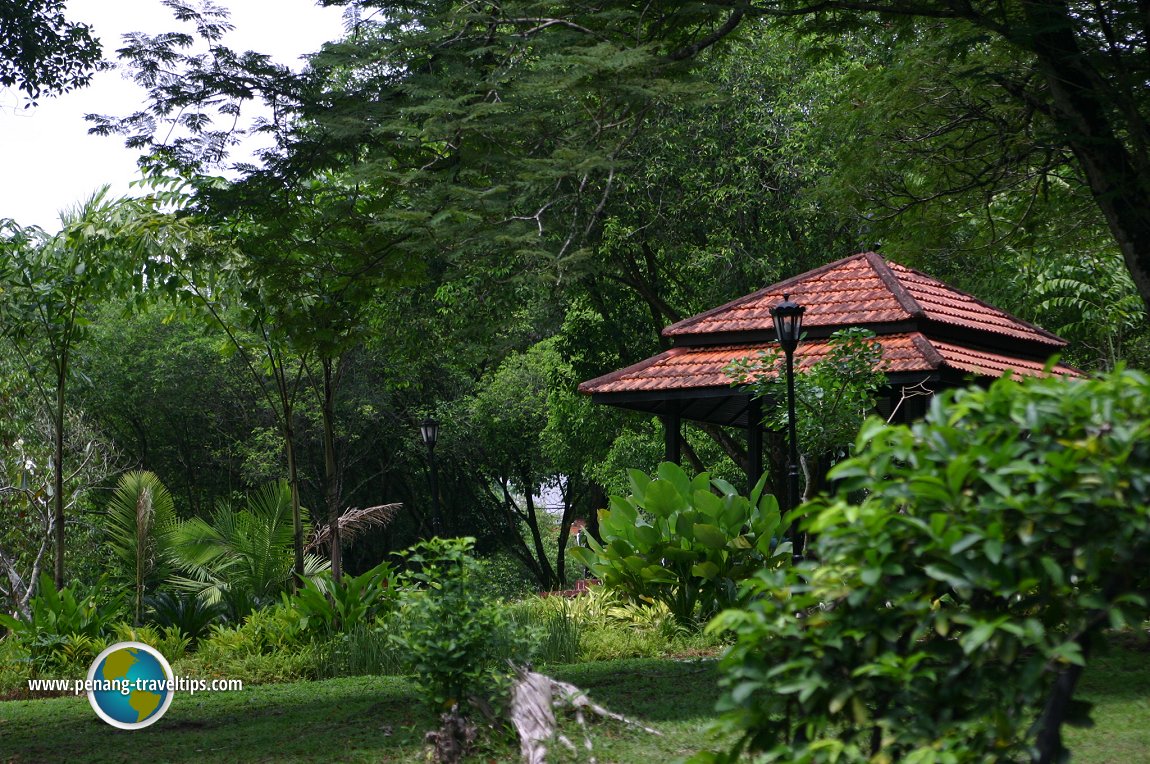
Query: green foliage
x,y
360,651
675,541
171,641
832,397
44,53
997,541
1091,300
242,558
456,639
139,521
267,646
325,607
184,611
67,623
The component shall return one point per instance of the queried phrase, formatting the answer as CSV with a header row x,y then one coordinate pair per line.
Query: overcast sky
x,y
50,163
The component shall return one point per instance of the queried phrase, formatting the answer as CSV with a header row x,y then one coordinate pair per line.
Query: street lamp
x,y
788,329
429,434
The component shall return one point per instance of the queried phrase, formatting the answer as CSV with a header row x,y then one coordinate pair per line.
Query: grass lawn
x,y
360,719
374,719
1118,684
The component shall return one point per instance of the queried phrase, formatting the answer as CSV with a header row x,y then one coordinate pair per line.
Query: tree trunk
x,y
1120,187
293,482
547,577
58,474
331,484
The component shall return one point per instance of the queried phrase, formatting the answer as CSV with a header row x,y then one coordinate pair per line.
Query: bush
x,y
960,600
455,638
361,651
325,608
183,611
269,646
674,541
558,634
168,640
64,626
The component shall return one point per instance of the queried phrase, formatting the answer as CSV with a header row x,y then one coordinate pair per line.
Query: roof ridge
x,y
669,330
892,282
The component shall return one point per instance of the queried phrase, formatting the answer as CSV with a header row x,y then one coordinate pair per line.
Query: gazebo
x,y
932,335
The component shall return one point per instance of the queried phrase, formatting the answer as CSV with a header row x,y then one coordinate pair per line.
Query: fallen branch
x,y
534,698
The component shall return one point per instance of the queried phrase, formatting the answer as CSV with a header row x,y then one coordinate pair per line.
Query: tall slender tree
x,y
52,285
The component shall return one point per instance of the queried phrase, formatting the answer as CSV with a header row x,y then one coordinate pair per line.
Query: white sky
x,y
48,162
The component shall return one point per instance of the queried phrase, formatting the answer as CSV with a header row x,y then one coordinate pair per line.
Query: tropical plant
x,y
1091,299
171,641
184,611
139,522
242,558
685,542
457,640
72,617
953,610
328,607
361,651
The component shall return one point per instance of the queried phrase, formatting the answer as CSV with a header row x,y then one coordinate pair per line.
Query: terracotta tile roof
x,y
687,368
987,364
862,289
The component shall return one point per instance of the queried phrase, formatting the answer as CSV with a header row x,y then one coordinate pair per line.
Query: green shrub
x,y
675,541
63,625
183,611
952,611
300,663
558,634
360,651
168,640
15,667
325,608
455,638
507,577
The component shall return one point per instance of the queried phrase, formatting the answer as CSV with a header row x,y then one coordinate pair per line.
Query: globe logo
x,y
130,685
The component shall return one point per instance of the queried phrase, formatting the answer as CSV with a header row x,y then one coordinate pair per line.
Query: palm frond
x,y
355,522
140,519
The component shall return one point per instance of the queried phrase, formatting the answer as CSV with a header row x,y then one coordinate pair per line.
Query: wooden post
x,y
754,443
672,436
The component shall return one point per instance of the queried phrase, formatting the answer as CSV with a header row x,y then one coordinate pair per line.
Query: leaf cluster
x,y
454,636
998,539
42,52
685,542
833,395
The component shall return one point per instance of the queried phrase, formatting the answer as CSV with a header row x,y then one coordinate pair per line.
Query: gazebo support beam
x,y
672,436
754,442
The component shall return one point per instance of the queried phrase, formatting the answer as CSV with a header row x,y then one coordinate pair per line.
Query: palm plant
x,y
241,558
140,521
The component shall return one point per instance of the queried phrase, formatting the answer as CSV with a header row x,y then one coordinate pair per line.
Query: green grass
x,y
375,719
1118,683
357,719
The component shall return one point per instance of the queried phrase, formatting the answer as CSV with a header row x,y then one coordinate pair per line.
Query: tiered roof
x,y
926,328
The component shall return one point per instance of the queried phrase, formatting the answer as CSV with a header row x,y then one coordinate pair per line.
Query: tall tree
x,y
52,286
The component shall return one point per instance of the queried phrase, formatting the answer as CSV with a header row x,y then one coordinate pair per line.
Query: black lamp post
x,y
429,434
788,329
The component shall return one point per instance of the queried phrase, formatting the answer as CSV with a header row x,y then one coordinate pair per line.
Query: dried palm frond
x,y
354,522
